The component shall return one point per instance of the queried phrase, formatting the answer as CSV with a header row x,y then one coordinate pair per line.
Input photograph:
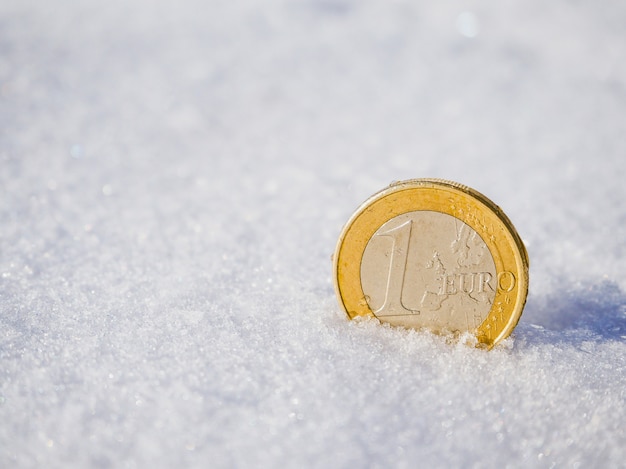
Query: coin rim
x,y
504,313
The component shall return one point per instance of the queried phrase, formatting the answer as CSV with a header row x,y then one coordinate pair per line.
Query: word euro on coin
x,y
433,254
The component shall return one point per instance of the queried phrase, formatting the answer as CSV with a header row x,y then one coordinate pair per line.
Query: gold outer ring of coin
x,y
416,198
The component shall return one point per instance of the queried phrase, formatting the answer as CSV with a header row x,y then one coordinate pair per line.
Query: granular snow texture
x,y
173,180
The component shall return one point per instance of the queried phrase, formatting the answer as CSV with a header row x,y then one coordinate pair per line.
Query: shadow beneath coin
x,y
595,313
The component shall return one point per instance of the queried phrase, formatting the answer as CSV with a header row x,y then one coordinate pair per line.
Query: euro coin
x,y
433,254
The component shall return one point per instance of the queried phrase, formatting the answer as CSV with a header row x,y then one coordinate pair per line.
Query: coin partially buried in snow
x,y
433,254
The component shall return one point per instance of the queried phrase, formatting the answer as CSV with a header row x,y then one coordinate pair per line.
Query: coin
x,y
433,254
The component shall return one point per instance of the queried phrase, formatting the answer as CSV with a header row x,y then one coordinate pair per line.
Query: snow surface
x,y
174,176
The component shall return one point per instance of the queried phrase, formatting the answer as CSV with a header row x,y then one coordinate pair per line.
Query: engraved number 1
x,y
401,236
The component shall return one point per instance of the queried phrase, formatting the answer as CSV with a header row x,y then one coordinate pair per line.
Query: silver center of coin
x,y
428,269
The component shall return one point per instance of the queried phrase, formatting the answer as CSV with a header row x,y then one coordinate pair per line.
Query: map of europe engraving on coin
x,y
433,254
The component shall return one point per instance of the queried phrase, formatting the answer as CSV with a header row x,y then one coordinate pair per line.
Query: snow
x,y
173,179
